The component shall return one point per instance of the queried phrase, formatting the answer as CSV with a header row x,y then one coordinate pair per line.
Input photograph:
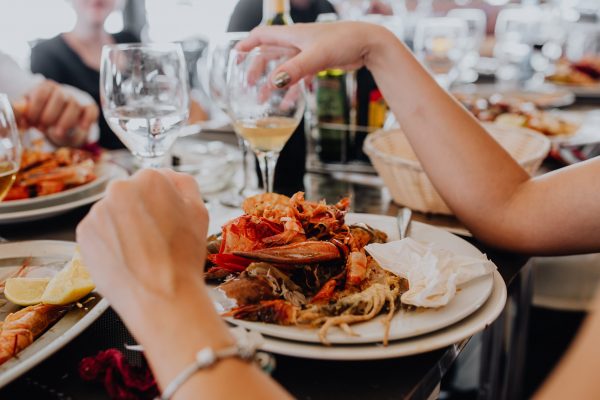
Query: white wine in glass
x,y
145,97
262,114
10,147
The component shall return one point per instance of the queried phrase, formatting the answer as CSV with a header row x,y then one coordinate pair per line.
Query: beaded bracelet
x,y
247,342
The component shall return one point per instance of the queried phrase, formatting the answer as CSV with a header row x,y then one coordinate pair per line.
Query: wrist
x,y
173,330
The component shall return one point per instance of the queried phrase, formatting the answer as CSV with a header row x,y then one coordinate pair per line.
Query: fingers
x,y
68,118
53,108
89,116
272,35
37,100
306,63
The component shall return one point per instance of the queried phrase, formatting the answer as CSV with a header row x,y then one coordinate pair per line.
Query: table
x,y
410,377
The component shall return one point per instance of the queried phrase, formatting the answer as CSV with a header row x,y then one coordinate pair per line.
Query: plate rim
x,y
66,193
476,322
43,212
271,330
22,366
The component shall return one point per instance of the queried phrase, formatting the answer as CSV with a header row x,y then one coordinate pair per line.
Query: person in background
x,y
73,57
247,14
65,115
146,256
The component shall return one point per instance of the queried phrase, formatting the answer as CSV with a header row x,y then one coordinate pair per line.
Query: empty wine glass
x,y
263,114
218,56
145,97
440,44
10,146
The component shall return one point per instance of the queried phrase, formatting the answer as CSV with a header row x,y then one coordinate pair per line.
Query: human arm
x,y
145,247
63,113
487,190
576,376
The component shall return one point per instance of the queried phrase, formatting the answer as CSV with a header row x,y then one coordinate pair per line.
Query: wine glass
x,y
145,97
264,115
10,146
217,61
440,44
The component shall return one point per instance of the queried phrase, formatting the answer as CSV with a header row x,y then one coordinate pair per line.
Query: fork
x,y
403,220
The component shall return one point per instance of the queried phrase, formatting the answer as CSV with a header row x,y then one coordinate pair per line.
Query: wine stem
x,y
267,161
244,148
151,162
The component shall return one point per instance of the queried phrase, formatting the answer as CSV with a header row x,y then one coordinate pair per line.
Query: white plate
x,y
405,324
66,329
583,91
61,205
102,170
589,128
545,96
474,323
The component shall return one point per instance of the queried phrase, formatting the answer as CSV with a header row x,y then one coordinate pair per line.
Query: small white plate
x,y
62,204
103,171
66,329
546,96
448,336
405,324
588,131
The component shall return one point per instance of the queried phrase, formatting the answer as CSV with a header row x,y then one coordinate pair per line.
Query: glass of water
x,y
145,97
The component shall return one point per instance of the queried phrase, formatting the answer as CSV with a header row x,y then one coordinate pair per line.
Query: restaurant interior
x,y
355,224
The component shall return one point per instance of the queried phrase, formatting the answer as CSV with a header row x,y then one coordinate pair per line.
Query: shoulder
x,y
49,46
246,15
126,37
324,6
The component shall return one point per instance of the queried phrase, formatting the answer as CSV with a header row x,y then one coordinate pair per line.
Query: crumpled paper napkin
x,y
433,274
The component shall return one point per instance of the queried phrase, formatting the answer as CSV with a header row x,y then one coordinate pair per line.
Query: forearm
x,y
487,190
171,337
460,158
576,377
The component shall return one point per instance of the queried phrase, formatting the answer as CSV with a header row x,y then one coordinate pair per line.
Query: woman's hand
x,y
50,108
145,247
145,242
345,45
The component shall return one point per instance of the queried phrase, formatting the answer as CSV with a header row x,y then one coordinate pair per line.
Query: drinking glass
x,y
217,61
10,146
145,97
440,44
263,114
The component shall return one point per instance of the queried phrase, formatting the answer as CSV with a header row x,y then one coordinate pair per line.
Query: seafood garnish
x,y
42,173
290,261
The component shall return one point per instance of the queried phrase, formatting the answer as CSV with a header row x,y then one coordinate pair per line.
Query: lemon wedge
x,y
70,284
25,291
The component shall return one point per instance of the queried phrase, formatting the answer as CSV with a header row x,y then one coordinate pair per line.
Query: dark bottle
x,y
370,110
276,12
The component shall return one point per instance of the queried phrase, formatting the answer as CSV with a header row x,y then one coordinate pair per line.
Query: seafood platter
x,y
313,277
52,182
46,300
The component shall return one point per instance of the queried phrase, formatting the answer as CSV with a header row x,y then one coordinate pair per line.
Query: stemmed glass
x,y
217,61
263,114
10,146
145,97
440,44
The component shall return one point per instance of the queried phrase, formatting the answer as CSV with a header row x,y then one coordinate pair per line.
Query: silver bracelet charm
x,y
247,342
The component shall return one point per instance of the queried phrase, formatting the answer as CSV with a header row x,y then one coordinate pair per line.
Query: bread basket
x,y
398,167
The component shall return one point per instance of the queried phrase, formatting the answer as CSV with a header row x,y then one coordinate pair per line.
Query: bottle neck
x,y
276,12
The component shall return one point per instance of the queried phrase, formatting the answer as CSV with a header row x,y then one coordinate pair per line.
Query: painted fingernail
x,y
281,79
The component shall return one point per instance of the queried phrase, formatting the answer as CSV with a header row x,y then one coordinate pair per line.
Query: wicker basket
x,y
396,163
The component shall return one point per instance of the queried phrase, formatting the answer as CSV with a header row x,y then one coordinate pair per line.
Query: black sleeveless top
x,y
56,60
